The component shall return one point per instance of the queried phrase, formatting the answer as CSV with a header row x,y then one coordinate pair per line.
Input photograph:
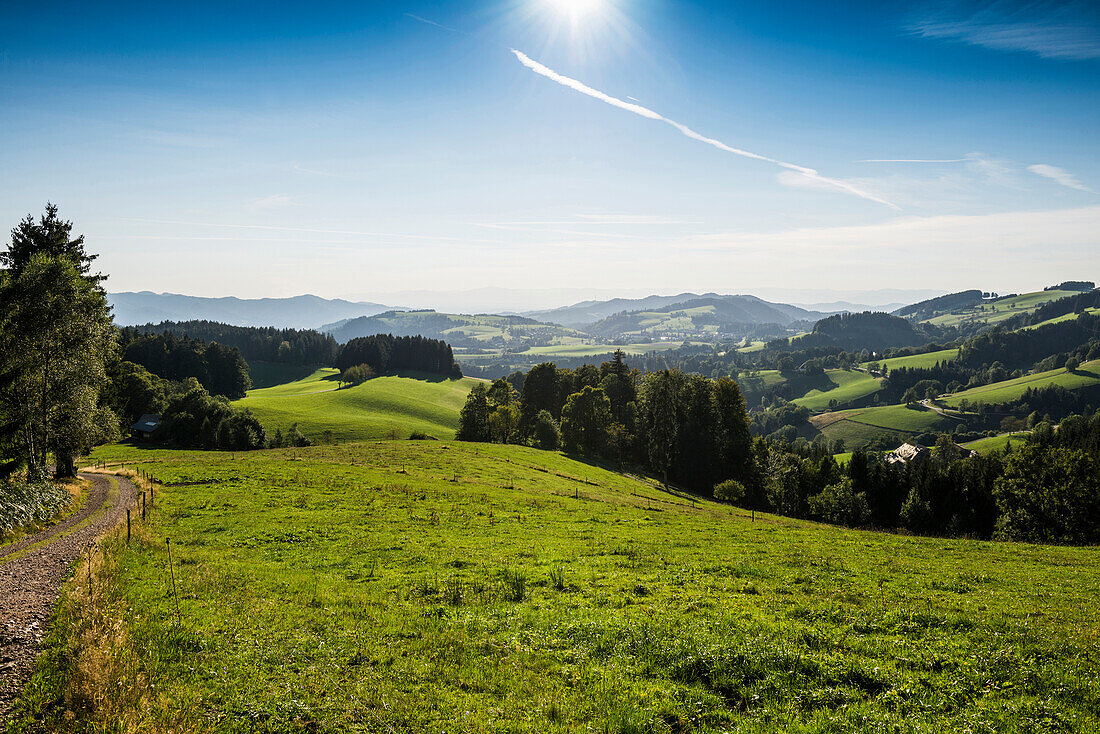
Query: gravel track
x,y
30,583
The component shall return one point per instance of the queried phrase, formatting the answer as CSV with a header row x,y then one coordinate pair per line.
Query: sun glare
x,y
577,10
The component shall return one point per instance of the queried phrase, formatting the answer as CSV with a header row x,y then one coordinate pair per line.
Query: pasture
x,y
1085,376
849,385
405,586
917,361
860,426
1001,310
379,407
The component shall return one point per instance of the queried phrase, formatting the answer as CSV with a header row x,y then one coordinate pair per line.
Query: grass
x,y
596,350
1059,319
863,425
996,443
1087,375
849,385
918,361
402,403
1002,310
407,587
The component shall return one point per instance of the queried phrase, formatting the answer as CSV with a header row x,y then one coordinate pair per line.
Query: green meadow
x,y
917,361
1087,375
849,385
1000,310
862,425
996,443
378,407
404,586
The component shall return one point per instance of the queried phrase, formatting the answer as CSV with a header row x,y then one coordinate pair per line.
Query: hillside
x,y
940,304
299,312
729,309
514,589
707,317
862,425
846,386
457,329
864,331
402,403
1085,376
994,311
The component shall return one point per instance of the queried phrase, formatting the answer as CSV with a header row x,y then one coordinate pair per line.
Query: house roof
x,y
907,452
147,423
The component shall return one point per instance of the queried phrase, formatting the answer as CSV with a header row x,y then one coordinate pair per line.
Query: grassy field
x,y
595,350
850,385
1059,319
404,403
1087,375
862,425
408,586
918,361
1002,310
995,443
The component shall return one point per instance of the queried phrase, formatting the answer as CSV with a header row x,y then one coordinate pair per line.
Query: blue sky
x,y
363,149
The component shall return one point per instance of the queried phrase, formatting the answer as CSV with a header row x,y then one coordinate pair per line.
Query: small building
x,y
145,426
909,453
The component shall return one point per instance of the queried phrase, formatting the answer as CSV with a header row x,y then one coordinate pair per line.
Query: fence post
x,y
127,526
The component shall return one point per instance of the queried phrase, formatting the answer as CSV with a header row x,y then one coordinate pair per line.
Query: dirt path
x,y
31,574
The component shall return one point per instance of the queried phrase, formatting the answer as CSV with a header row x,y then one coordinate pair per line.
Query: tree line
x,y
219,368
385,353
263,344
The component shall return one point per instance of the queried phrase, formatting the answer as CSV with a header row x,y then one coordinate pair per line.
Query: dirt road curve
x,y
31,574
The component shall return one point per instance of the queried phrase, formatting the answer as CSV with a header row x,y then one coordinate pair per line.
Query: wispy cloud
x,y
1059,175
1053,30
913,160
310,230
647,113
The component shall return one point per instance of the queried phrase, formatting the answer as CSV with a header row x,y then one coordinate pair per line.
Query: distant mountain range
x,y
299,312
739,309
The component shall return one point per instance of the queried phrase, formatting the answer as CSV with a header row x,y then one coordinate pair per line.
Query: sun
x,y
577,10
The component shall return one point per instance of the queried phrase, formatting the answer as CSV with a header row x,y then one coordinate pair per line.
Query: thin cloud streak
x,y
647,113
914,160
1059,175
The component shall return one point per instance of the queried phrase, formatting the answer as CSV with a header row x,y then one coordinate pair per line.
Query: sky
x,y
368,149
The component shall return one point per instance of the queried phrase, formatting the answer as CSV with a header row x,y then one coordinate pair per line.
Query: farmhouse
x,y
909,453
145,426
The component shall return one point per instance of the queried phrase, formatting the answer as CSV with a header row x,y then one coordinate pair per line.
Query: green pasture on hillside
x,y
849,385
1087,375
996,443
405,586
917,361
1059,319
402,403
1001,310
596,350
860,426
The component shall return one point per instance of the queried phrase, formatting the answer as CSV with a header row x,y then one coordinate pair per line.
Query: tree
x,y
540,392
48,236
504,423
658,397
55,338
840,504
357,374
1049,494
473,419
585,419
1072,364
546,431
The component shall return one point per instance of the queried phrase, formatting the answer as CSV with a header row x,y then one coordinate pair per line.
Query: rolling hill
x,y
403,403
731,309
299,312
993,311
1085,376
456,329
706,317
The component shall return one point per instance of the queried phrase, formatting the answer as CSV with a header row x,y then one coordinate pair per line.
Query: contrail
x,y
637,109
